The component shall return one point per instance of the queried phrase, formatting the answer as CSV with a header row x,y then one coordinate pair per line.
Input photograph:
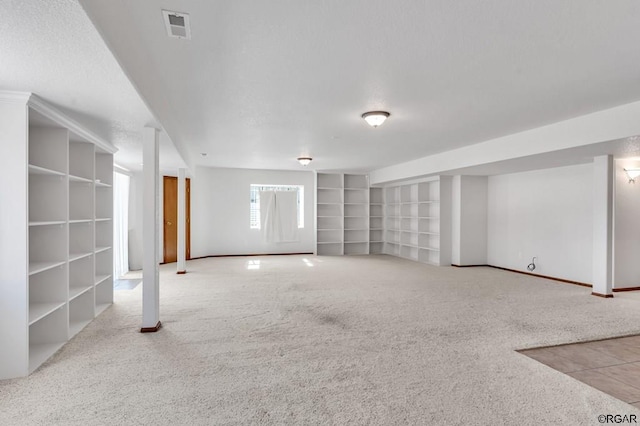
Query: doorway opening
x,y
170,225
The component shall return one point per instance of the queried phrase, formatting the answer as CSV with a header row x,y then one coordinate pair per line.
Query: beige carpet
x,y
328,340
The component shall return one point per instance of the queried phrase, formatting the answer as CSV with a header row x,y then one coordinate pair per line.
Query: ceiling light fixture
x,y
375,118
304,160
632,174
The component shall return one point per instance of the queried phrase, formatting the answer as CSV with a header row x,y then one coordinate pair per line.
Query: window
x,y
254,200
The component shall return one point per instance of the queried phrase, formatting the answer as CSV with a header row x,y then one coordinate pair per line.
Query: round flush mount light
x,y
375,118
304,160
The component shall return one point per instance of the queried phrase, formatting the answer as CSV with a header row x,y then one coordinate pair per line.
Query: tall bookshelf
x,y
61,236
356,214
417,221
342,214
329,214
376,221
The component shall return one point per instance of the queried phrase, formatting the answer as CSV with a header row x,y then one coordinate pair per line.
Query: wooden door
x,y
170,209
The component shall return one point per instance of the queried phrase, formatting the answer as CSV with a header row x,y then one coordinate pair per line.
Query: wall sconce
x,y
632,174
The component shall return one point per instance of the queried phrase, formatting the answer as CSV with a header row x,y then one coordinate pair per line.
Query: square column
x,y
150,233
182,222
602,226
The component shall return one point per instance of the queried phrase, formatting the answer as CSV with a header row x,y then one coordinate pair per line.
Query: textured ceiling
x,y
261,83
51,48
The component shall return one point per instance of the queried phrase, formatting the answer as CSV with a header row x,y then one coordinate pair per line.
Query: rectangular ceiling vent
x,y
177,24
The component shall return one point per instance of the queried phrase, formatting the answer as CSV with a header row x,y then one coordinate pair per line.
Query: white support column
x,y
150,219
602,225
182,222
456,221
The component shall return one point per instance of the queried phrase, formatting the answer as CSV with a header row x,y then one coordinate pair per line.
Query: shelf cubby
x,y
430,209
330,223
392,195
392,236
104,202
356,181
329,210
104,169
104,235
81,311
81,197
48,148
409,193
329,236
47,335
376,196
47,197
356,248
330,180
360,236
356,210
104,263
104,294
409,210
330,249
355,196
329,196
47,247
429,241
392,210
409,238
80,239
431,225
429,191
376,247
376,223
392,248
409,224
409,252
431,257
354,223
392,223
376,236
81,276
47,292
81,160
376,210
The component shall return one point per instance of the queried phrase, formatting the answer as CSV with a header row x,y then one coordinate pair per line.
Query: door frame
x,y
165,180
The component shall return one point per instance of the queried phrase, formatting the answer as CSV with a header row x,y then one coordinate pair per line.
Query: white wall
x,y
544,213
469,220
220,211
626,228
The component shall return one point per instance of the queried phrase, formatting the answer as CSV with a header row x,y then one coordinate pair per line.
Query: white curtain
x,y
279,216
121,184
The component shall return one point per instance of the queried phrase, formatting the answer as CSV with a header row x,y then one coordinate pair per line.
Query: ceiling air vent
x,y
177,24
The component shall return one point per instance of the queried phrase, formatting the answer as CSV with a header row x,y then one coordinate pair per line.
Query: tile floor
x,y
126,284
612,366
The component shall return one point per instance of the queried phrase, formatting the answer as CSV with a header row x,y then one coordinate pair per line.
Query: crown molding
x,y
49,111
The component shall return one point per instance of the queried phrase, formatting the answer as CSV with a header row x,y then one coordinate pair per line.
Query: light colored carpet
x,y
328,340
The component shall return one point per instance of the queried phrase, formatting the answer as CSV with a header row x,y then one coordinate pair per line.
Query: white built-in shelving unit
x,y
342,214
376,221
417,221
56,263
